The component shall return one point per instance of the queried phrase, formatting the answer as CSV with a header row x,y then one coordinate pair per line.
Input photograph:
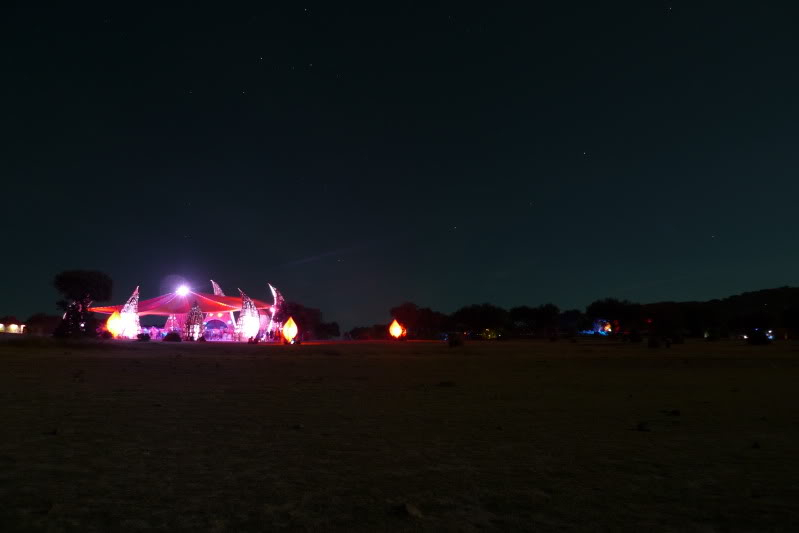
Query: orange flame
x,y
289,330
396,330
114,324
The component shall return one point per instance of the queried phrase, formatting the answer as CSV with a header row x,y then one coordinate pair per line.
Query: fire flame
x,y
114,324
396,330
290,330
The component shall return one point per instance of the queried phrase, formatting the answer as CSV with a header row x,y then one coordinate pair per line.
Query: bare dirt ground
x,y
590,436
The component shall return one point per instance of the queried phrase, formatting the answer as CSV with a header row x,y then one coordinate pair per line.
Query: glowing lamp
x,y
250,326
183,290
115,325
290,330
396,330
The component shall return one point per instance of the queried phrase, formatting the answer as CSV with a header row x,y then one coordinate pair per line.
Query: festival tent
x,y
176,304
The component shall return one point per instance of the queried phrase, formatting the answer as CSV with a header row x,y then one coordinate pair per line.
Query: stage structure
x,y
218,292
249,320
196,314
275,326
130,314
125,322
194,322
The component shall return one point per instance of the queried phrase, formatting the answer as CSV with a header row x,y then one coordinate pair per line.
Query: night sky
x,y
360,157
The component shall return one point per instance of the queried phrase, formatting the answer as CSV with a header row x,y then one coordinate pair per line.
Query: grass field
x,y
399,437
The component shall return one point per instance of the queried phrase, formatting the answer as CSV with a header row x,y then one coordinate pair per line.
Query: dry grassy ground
x,y
409,436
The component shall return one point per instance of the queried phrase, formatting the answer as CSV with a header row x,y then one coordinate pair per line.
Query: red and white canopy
x,y
176,304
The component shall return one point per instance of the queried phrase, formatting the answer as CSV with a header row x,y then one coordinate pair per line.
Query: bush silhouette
x,y
172,336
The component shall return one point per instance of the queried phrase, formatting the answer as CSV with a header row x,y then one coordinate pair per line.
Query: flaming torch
x,y
396,330
115,324
290,330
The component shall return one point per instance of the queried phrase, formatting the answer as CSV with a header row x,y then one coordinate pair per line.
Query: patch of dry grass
x,y
405,436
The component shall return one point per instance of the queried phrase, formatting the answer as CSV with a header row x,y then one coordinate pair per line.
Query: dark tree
x,y
376,332
431,324
547,320
309,321
328,330
79,289
698,317
541,321
42,324
9,319
573,321
790,319
522,320
83,286
420,322
756,319
479,317
407,314
664,319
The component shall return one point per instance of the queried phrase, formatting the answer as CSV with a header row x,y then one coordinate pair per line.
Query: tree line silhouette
x,y
769,309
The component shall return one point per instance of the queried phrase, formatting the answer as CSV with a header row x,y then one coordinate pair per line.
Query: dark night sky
x,y
357,158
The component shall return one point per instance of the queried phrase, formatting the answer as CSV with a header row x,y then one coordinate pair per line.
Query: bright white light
x,y
250,326
183,290
129,325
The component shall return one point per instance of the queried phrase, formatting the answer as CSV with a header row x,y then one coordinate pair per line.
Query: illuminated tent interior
x,y
193,314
